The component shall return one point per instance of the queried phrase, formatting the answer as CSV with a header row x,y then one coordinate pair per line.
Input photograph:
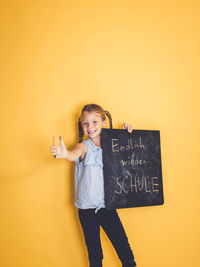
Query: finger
x,y
61,140
54,148
130,128
54,155
124,126
54,140
54,151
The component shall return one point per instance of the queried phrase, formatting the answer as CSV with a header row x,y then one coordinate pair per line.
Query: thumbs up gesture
x,y
58,151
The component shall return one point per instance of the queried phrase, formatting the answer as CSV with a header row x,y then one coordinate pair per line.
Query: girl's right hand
x,y
59,152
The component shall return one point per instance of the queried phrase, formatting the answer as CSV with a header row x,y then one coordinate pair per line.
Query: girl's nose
x,y
89,125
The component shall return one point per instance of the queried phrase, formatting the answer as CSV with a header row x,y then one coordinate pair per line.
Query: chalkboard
x,y
132,168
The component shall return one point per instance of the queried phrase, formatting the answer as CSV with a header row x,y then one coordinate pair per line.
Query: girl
x,y
89,187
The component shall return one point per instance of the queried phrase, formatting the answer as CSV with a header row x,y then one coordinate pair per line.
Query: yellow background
x,y
137,59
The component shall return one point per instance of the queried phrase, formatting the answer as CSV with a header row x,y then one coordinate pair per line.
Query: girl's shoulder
x,y
86,143
81,146
90,145
92,155
84,148
80,149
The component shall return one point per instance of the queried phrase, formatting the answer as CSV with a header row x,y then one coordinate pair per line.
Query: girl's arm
x,y
127,127
61,152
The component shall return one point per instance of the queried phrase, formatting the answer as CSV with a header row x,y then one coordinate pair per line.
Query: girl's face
x,y
92,124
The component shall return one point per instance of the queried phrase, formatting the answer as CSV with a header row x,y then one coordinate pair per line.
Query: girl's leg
x,y
91,230
110,222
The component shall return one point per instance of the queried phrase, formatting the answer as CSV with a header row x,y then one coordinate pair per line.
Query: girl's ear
x,y
104,123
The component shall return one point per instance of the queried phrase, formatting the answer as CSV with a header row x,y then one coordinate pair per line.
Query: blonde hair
x,y
93,108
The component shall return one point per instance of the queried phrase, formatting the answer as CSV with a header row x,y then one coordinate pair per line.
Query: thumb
x,y
61,140
124,126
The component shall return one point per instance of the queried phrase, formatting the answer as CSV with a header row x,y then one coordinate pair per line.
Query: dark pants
x,y
111,224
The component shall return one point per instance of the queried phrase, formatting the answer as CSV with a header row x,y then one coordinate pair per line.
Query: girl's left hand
x,y
127,127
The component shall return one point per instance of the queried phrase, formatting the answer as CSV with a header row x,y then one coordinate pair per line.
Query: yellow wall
x,y
139,60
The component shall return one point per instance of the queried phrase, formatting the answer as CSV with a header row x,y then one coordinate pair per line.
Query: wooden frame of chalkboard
x,y
132,168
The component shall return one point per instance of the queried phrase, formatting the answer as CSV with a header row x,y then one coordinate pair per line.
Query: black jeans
x,y
111,224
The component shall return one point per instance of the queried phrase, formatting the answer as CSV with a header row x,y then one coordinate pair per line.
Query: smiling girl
x,y
89,188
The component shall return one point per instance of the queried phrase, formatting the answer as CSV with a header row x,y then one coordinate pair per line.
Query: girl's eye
x,y
84,123
95,121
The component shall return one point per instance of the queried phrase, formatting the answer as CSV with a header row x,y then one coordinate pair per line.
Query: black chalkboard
x,y
132,168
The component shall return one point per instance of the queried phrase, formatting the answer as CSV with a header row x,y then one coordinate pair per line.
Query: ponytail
x,y
80,131
109,117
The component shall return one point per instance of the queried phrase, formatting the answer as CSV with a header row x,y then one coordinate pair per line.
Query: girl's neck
x,y
96,142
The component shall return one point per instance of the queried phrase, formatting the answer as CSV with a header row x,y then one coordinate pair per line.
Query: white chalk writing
x,y
117,147
135,184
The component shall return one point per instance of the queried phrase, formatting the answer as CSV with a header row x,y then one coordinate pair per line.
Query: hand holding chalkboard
x,y
132,168
127,127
